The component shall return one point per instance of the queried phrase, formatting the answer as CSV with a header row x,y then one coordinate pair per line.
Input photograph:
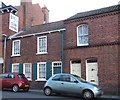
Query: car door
x,y
8,81
56,84
69,84
5,81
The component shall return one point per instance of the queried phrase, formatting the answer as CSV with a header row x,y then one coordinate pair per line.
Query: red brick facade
x,y
31,14
103,46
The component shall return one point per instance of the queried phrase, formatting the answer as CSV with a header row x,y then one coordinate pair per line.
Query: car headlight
x,y
95,88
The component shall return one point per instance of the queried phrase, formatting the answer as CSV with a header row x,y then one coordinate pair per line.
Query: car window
x,y
56,78
3,75
72,79
80,79
11,76
21,76
68,78
65,78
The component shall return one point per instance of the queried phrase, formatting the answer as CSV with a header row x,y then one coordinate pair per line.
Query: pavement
x,y
113,97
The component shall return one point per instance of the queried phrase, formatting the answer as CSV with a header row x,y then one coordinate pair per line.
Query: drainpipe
x,y
62,36
5,38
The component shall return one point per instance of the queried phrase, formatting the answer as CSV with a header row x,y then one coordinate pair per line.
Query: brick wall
x,y
102,29
29,50
5,25
30,15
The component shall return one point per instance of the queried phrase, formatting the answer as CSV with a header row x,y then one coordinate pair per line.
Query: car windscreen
x,y
80,79
21,76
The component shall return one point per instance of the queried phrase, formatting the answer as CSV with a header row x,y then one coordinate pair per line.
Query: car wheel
x,y
87,94
15,88
47,91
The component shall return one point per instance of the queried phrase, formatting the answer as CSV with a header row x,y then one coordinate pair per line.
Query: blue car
x,y
71,84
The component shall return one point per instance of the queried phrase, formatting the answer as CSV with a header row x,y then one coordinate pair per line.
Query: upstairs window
x,y
82,35
42,45
16,48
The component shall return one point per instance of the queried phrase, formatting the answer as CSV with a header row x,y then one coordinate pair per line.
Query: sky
x,y
63,9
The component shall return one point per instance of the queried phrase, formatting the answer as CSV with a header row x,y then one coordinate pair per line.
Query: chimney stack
x,y
27,13
46,14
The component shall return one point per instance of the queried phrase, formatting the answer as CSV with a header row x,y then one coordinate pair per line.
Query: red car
x,y
14,81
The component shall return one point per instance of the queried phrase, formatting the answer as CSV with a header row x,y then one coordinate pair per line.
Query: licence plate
x,y
26,85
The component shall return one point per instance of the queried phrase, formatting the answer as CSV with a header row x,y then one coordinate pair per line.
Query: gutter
x,y
5,39
62,40
22,36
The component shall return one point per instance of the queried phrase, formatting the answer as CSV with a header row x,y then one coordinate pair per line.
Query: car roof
x,y
62,74
15,73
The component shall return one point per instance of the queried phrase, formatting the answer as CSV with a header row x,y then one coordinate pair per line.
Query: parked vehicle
x,y
71,84
14,81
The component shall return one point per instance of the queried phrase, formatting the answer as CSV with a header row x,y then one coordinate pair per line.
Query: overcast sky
x,y
62,9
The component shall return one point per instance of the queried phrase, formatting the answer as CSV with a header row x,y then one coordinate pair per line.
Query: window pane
x,y
15,68
28,70
83,34
16,47
43,44
42,71
85,30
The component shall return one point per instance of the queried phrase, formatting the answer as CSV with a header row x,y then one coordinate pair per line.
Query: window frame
x,y
38,46
13,46
38,65
30,79
82,35
17,65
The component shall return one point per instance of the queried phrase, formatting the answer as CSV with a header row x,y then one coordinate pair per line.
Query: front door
x,y
92,71
56,67
76,68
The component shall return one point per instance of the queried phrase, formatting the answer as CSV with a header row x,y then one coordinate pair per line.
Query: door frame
x,y
56,66
94,61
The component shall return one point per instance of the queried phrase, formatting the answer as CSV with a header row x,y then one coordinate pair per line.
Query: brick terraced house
x,y
86,44
37,52
92,47
28,15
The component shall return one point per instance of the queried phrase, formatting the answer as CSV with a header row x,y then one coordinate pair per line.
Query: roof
x,y
95,12
41,29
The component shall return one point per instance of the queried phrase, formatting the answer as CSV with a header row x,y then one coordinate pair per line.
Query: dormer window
x,y
82,35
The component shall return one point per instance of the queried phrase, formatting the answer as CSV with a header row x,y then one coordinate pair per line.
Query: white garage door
x,y
76,68
92,72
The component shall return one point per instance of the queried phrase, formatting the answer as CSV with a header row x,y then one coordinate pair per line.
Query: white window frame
x,y
82,35
38,65
38,46
13,46
60,62
15,64
30,65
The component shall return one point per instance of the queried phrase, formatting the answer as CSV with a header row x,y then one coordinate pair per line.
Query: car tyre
x,y
47,91
87,94
15,88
